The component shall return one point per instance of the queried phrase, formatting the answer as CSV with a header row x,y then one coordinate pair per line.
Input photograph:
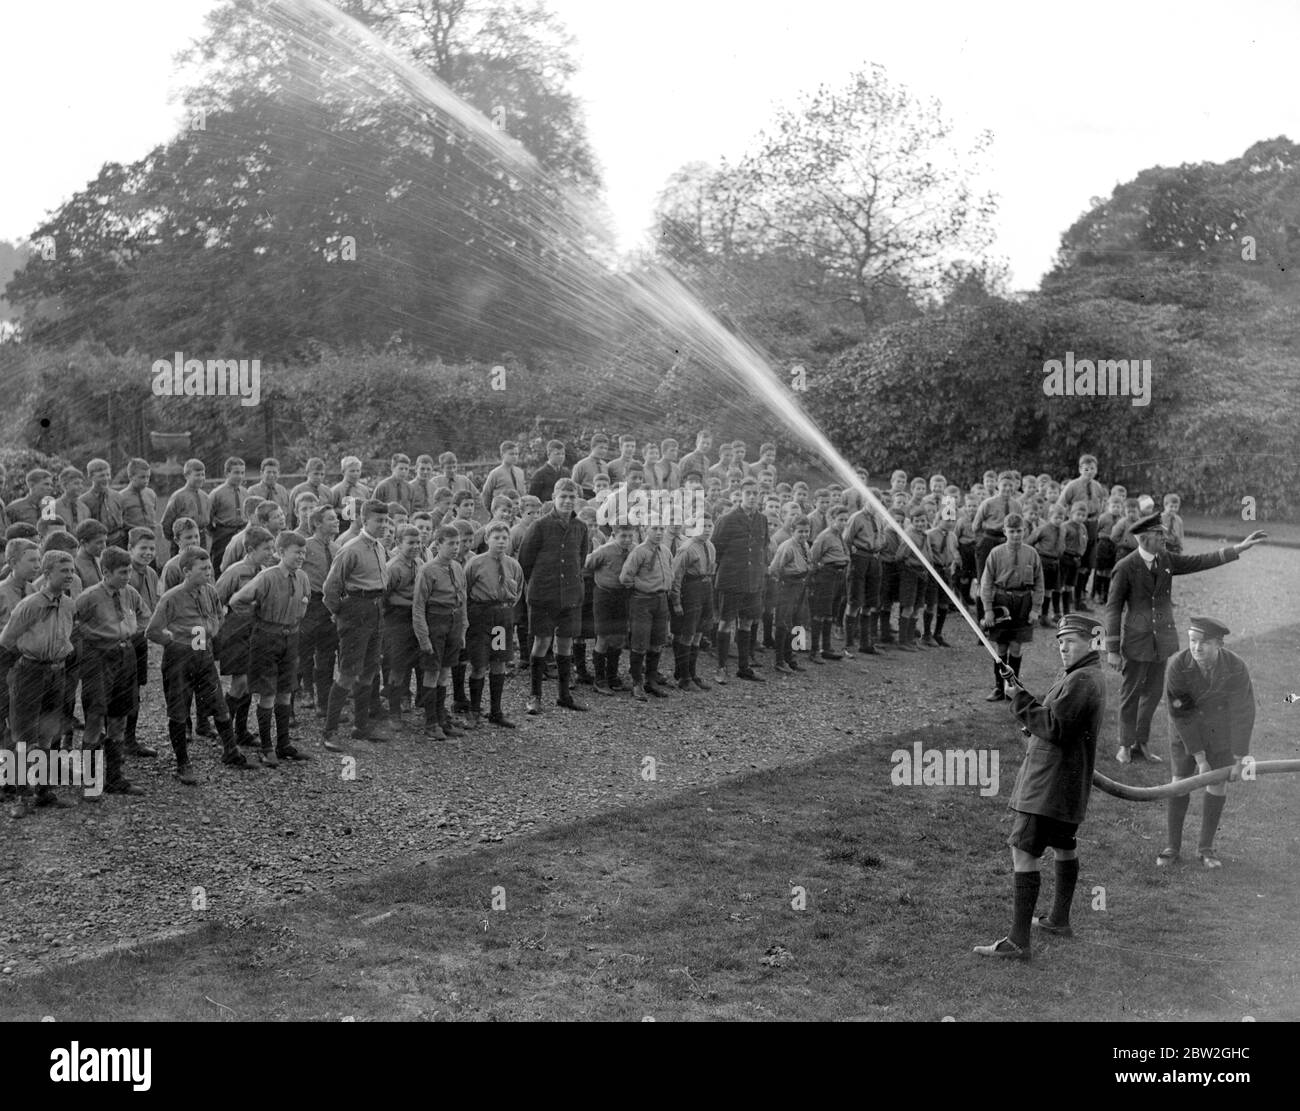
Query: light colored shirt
x,y
275,595
11,593
40,627
226,509
829,550
605,563
791,560
1012,570
105,507
993,511
358,566
110,616
492,580
399,581
182,611
696,560
316,563
195,504
648,569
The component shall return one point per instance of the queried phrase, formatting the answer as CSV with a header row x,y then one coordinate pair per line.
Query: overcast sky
x,y
1079,97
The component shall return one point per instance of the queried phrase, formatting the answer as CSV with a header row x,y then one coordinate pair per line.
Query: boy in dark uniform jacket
x,y
1212,712
740,540
551,555
1055,780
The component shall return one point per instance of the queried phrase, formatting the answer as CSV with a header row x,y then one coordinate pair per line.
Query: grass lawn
x,y
682,909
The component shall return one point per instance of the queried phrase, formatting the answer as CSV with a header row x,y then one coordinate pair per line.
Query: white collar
x,y
1147,557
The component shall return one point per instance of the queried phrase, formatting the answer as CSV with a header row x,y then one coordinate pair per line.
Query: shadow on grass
x,y
817,891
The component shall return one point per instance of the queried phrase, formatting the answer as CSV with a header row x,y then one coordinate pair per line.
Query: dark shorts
x,y
186,672
824,588
1104,559
909,587
588,624
888,583
933,594
317,640
967,554
647,622
792,605
745,606
1069,571
273,661
142,663
360,636
1183,764
1020,629
611,610
447,638
697,608
400,648
35,692
864,581
1089,556
490,632
1032,833
235,645
108,680
547,620
7,659
1051,572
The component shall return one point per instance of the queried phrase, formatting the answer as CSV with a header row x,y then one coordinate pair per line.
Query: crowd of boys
x,y
402,601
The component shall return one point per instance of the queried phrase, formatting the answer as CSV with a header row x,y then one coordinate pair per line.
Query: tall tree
x,y
864,185
317,199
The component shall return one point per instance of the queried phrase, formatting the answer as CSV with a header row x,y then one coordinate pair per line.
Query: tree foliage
x,y
316,202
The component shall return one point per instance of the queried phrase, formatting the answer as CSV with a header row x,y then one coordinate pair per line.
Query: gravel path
x,y
94,877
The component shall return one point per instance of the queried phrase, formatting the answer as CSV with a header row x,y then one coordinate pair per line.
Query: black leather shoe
x,y
997,696
123,787
748,674
570,703
1049,927
291,753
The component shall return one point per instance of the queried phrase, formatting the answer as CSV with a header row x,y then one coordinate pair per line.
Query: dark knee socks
x,y
264,720
1067,876
1026,899
1174,818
